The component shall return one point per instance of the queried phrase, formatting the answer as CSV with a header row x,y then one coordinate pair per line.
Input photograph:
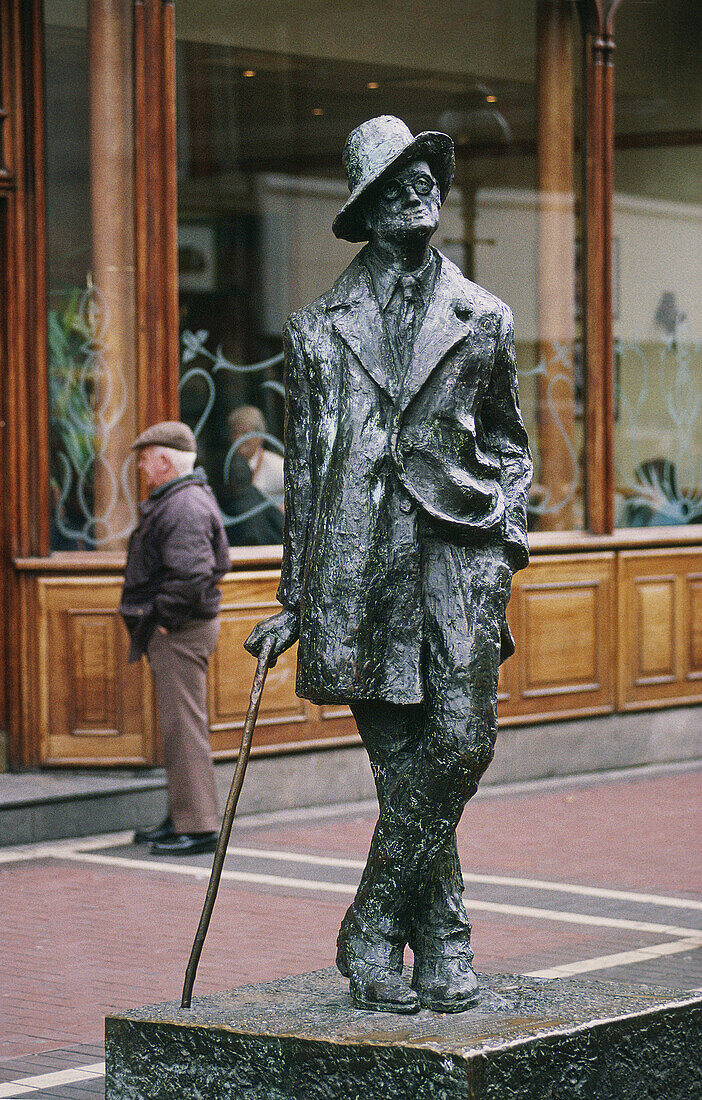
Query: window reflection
x,y
90,269
266,97
658,264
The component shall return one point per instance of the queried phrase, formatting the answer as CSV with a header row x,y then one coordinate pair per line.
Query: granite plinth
x,y
301,1038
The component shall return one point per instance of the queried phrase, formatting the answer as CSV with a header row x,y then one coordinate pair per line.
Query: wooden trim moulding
x,y
270,557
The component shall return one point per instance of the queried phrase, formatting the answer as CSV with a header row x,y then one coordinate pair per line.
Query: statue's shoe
x,y
376,988
445,983
374,970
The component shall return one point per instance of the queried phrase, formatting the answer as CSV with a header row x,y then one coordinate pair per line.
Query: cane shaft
x,y
227,821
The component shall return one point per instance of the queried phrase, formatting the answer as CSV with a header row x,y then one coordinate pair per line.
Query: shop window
x,y
266,95
90,271
658,264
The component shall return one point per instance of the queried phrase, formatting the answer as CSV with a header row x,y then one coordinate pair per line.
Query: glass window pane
x,y
90,268
267,94
658,264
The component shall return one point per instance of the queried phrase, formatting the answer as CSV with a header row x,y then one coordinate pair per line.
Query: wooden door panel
x,y
283,718
655,637
561,614
694,616
94,707
660,613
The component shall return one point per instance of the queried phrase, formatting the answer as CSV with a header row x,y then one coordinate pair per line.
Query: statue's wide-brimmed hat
x,y
376,149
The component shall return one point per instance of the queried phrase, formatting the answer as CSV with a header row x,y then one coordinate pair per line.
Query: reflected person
x,y
257,522
247,428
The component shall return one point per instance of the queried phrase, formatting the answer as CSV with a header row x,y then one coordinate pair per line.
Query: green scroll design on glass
x,y
561,372
86,402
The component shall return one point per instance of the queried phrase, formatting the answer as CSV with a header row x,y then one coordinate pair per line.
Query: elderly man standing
x,y
406,479
170,603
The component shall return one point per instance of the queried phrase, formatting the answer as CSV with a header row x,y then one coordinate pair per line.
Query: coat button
x,y
406,504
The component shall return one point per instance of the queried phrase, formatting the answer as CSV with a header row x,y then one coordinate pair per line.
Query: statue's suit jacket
x,y
375,464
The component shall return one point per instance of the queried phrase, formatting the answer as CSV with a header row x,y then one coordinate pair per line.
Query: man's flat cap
x,y
169,433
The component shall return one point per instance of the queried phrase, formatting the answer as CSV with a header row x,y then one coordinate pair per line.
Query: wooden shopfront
x,y
168,178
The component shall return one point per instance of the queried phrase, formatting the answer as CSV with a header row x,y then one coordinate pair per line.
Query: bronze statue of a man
x,y
406,476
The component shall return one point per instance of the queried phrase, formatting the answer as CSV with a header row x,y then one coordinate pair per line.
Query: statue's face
x,y
405,205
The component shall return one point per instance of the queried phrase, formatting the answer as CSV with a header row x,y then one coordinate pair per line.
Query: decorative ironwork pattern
x,y
194,346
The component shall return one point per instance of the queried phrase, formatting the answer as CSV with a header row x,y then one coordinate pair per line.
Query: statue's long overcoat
x,y
372,462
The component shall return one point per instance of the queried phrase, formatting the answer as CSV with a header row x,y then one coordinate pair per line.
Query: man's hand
x,y
283,628
162,630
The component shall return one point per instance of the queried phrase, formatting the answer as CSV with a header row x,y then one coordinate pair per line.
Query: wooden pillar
x,y
556,261
24,511
156,211
598,165
112,309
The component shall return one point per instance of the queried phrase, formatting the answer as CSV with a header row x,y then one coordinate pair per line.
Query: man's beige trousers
x,y
179,665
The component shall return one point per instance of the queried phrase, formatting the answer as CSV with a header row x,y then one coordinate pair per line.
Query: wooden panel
x,y
284,719
694,603
660,613
93,645
654,641
560,622
282,716
562,618
94,707
233,670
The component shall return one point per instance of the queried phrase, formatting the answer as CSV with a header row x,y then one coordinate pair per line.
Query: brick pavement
x,y
79,939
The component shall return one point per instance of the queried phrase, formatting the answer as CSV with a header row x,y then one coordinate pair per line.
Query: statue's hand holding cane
x,y
281,631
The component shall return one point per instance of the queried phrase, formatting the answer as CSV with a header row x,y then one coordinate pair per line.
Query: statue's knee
x,y
464,751
482,755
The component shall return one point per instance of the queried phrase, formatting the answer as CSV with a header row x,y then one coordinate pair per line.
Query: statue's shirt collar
x,y
384,280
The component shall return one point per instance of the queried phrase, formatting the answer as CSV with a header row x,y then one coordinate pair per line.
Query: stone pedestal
x,y
301,1038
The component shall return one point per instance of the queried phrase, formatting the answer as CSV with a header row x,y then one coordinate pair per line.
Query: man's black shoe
x,y
158,832
185,844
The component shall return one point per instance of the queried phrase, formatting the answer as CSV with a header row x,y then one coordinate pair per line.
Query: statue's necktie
x,y
408,310
406,319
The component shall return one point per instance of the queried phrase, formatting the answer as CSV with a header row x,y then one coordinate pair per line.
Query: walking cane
x,y
259,679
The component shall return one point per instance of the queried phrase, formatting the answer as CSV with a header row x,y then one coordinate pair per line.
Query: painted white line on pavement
x,y
622,958
665,902
58,847
63,848
24,1086
204,872
297,857
344,888
580,918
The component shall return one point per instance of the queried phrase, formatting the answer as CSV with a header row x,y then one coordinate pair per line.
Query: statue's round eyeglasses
x,y
421,184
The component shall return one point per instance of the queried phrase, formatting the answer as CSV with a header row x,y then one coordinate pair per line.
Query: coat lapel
x,y
356,317
447,321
